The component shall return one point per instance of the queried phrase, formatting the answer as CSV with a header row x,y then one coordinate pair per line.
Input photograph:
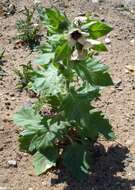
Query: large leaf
x,y
49,82
93,71
55,21
78,160
76,106
44,59
44,161
96,29
43,140
28,119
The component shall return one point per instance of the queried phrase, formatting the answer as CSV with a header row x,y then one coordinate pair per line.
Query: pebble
x,y
30,188
118,82
12,163
132,42
107,40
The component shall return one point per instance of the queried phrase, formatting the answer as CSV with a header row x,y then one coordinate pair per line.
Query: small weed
x,y
28,31
25,76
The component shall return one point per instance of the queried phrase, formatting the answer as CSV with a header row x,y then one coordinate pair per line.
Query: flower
x,y
77,36
80,19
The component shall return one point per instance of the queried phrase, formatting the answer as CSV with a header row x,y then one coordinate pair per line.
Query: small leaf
x,y
95,45
78,160
44,161
25,139
41,142
62,52
101,125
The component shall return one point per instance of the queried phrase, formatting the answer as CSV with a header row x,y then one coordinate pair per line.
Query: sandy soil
x,y
114,168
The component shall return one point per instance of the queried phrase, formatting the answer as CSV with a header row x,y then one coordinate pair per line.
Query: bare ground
x,y
114,168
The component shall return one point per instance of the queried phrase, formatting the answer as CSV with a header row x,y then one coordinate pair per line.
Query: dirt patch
x,y
114,168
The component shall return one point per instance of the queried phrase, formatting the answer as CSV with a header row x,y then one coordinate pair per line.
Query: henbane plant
x,y
63,124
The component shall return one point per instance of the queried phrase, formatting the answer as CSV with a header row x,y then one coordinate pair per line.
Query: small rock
x,y
13,98
132,42
12,163
107,40
30,188
118,84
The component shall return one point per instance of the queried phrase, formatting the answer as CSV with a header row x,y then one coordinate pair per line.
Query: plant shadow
x,y
103,177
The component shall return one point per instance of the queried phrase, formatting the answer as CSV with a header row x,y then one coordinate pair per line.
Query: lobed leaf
x,y
93,72
28,119
42,161
78,160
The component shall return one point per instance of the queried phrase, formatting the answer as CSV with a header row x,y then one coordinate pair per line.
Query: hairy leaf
x,y
49,82
76,106
28,119
54,20
93,71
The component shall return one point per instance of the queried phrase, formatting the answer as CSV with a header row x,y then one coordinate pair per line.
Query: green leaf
x,y
44,59
78,160
28,119
46,138
93,72
50,82
63,52
101,125
96,45
40,142
44,161
54,20
76,106
25,139
96,29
